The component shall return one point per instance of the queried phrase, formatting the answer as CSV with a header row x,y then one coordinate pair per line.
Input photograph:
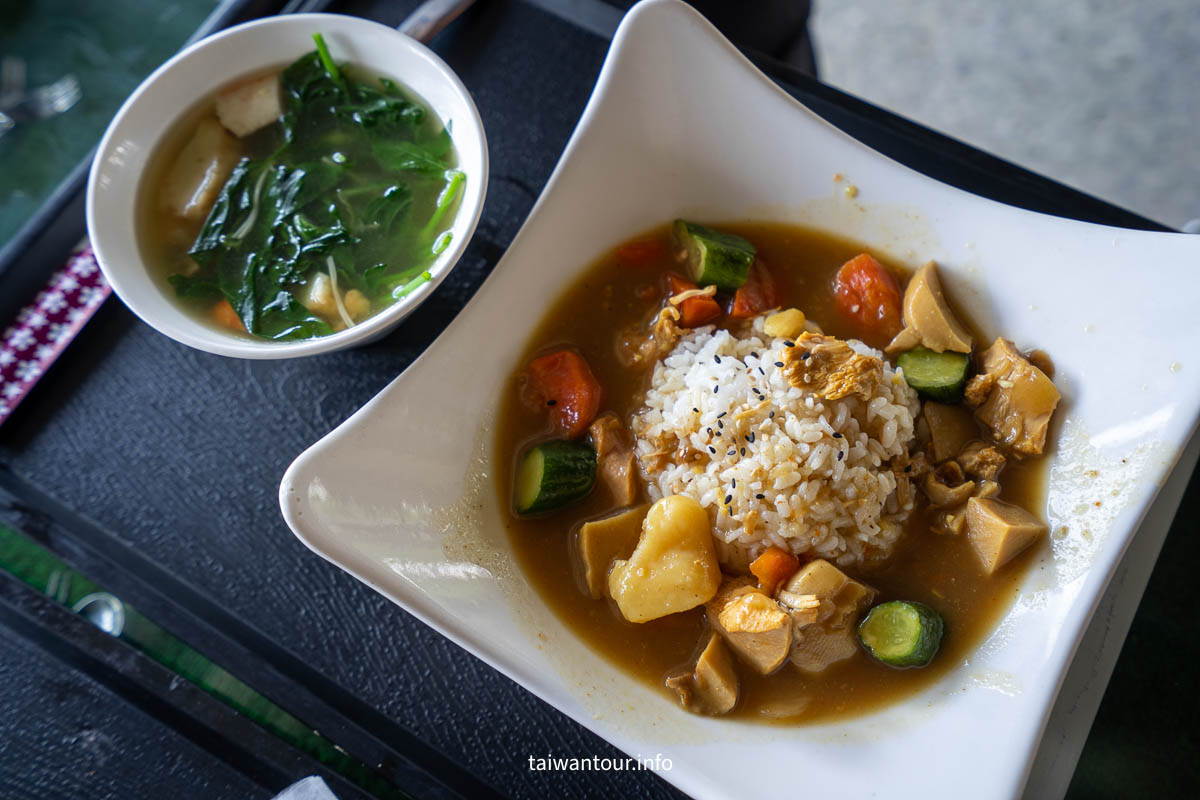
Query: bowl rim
x,y
470,208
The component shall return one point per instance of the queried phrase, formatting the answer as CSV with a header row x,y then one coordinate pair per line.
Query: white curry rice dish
x,y
800,444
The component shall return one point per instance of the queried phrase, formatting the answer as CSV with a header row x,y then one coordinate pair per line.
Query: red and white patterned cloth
x,y
44,328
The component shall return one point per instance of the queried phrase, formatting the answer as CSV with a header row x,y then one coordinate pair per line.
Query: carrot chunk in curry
x,y
696,310
562,384
773,567
756,295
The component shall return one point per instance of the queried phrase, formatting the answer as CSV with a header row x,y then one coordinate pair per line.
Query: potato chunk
x,y
825,605
200,170
752,624
786,324
712,687
602,541
250,106
674,566
998,531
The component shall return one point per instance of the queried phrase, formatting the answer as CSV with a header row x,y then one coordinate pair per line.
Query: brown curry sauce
x,y
939,570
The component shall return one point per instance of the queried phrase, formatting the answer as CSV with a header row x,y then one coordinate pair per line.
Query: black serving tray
x,y
153,470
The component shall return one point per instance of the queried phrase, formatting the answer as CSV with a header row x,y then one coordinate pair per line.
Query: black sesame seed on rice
x,y
744,405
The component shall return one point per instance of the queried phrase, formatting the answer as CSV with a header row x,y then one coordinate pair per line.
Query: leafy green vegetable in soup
x,y
335,211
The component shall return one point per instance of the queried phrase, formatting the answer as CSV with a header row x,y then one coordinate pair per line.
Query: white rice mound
x,y
773,463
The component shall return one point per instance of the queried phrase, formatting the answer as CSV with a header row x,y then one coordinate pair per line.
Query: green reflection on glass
x,y
110,47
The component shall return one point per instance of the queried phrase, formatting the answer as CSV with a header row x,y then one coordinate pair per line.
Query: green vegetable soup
x,y
299,202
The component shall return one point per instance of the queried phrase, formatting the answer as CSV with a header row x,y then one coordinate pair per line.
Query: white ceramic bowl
x,y
179,84
402,496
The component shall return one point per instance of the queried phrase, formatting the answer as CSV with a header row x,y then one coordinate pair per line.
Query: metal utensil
x,y
429,18
103,610
45,101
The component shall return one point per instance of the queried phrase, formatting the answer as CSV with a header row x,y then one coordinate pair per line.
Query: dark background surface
x,y
176,456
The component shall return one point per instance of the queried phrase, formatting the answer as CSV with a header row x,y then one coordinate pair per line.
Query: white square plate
x,y
400,495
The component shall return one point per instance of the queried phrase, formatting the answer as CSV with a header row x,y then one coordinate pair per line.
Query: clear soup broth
x,y
299,201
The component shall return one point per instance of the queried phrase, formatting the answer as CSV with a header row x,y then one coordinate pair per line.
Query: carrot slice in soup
x,y
695,311
869,296
774,567
756,295
562,384
223,314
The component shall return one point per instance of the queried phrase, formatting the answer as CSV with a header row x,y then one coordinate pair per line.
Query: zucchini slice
x,y
937,376
713,257
553,474
902,633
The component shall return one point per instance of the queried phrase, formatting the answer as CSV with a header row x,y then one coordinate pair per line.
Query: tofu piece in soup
x,y
250,106
200,170
319,298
